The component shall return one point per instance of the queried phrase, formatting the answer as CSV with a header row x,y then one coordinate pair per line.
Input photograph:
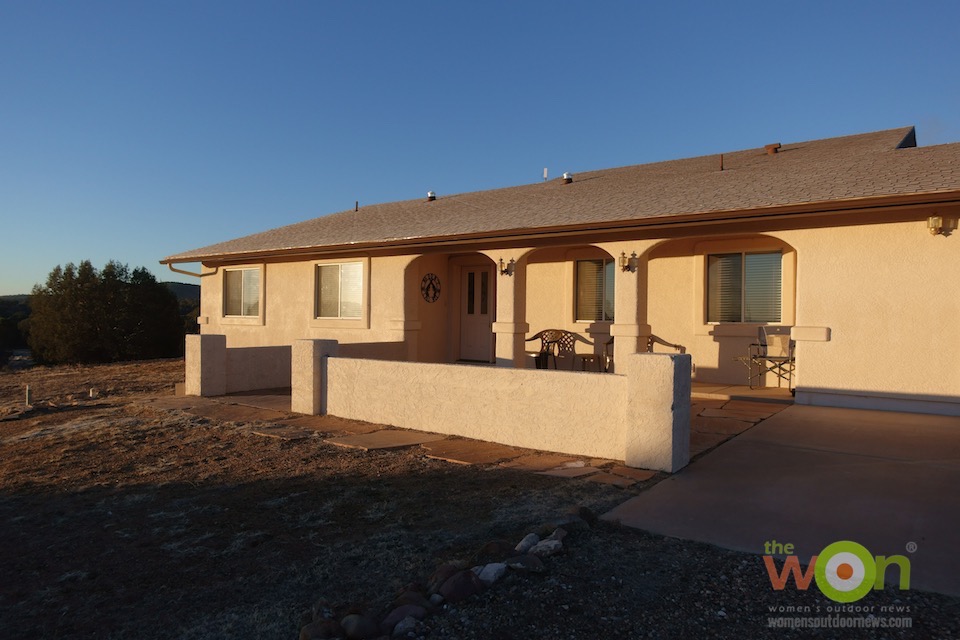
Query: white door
x,y
476,314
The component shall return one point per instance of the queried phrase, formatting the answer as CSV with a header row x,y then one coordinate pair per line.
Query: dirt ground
x,y
125,515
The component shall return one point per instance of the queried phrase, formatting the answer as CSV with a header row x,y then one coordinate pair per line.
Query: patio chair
x,y
651,341
773,352
557,343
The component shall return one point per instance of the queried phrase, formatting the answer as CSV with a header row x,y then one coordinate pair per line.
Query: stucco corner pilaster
x,y
657,410
308,375
205,358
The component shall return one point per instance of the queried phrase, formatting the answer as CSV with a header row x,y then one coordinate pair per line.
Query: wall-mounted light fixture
x,y
507,268
631,263
935,225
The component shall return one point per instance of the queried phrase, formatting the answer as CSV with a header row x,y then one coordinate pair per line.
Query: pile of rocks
x,y
451,583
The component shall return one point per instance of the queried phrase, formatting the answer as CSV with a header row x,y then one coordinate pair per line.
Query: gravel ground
x,y
129,518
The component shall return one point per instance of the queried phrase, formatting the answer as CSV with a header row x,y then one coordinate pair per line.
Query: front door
x,y
476,314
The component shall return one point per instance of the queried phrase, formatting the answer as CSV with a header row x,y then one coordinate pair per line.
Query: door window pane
x,y
471,292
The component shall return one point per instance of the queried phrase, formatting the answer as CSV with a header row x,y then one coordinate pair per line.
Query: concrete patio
x,y
812,476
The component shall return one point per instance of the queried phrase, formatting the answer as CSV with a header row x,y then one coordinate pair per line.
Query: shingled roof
x,y
830,172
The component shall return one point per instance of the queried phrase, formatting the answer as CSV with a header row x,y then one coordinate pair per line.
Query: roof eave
x,y
835,206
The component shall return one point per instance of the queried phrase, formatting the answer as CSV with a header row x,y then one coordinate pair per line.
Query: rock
x,y
547,548
441,575
436,599
321,630
526,562
492,572
527,543
398,614
559,534
461,586
412,597
359,627
405,627
494,551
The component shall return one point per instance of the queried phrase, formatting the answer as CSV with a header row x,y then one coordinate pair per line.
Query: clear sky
x,y
133,130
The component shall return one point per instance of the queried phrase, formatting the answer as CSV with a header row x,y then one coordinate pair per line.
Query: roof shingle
x,y
882,163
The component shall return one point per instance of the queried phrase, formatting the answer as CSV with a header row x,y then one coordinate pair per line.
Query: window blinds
x,y
744,287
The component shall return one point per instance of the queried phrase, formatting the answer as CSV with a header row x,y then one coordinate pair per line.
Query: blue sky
x,y
135,130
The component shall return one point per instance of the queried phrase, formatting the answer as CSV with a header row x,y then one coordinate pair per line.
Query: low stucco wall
x,y
553,410
642,417
214,370
250,368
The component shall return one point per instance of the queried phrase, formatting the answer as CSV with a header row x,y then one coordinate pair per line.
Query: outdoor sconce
x,y
935,225
507,268
631,263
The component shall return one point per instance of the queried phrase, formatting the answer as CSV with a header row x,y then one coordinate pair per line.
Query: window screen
x,y
241,292
594,290
744,287
340,290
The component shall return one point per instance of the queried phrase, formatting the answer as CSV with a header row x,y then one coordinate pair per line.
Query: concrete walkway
x,y
812,476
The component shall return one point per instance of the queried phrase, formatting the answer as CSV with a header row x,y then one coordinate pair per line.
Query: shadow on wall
x,y
374,350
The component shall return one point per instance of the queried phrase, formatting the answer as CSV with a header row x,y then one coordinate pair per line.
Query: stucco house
x,y
850,242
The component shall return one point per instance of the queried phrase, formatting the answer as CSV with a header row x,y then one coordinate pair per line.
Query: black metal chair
x,y
557,343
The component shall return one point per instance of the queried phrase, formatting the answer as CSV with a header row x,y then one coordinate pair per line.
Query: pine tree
x,y
82,315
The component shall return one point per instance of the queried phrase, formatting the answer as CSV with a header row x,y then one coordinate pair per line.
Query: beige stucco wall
x,y
288,304
551,296
642,418
881,302
890,296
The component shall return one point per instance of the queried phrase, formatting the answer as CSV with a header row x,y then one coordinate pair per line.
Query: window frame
x,y
744,263
341,322
255,319
748,244
604,283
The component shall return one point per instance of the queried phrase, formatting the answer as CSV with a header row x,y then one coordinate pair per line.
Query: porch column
x,y
630,326
510,327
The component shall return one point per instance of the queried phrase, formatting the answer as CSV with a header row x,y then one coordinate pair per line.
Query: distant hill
x,y
20,298
184,291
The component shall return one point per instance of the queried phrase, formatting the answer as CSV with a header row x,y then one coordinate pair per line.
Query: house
x,y
851,242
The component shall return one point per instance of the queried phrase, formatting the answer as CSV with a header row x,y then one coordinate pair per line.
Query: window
x,y
340,290
594,290
241,292
744,287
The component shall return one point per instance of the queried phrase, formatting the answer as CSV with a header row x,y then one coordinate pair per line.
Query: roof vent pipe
x,y
567,177
772,148
431,196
